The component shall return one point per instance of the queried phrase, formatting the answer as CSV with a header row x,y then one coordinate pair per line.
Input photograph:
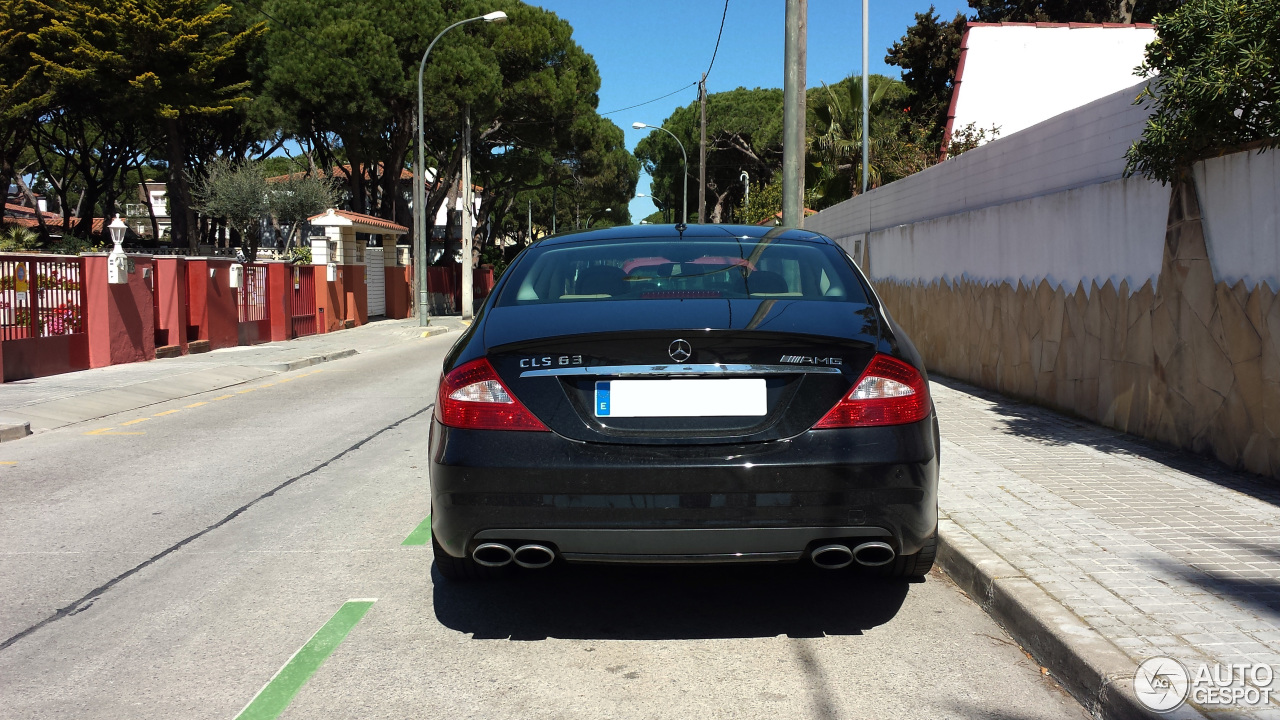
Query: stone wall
x,y
1189,361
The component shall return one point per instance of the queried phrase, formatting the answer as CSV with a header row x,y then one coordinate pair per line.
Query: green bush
x,y
17,237
1216,88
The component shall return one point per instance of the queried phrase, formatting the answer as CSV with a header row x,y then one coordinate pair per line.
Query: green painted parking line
x,y
421,534
273,698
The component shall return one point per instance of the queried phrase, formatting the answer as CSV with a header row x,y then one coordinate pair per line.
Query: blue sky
x,y
648,48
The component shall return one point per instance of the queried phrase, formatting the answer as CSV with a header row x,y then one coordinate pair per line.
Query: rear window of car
x,y
668,269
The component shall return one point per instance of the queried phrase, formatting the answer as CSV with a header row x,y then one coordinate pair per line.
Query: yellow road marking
x,y
197,404
167,412
223,397
264,386
285,380
8,462
246,390
135,422
104,431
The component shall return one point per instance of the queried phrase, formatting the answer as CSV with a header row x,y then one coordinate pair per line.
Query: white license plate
x,y
690,397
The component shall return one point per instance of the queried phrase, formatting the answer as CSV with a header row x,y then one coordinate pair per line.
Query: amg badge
x,y
811,360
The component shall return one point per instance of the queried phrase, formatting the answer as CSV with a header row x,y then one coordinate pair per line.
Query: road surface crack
x,y
93,595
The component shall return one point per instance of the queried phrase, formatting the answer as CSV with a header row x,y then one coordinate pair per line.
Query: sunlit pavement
x,y
258,552
1163,553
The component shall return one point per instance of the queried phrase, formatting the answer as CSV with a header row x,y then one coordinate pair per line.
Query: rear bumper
x,y
627,503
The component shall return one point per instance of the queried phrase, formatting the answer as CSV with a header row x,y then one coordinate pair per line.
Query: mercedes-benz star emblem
x,y
680,350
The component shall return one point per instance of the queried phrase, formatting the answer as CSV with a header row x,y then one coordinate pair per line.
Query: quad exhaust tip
x,y
832,557
492,555
533,556
868,554
873,554
496,555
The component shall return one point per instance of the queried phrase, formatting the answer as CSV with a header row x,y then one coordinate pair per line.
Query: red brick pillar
x,y
279,291
171,290
120,319
198,301
223,315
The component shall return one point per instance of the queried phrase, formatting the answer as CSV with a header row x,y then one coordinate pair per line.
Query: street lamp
x,y
685,212
117,261
419,179
592,215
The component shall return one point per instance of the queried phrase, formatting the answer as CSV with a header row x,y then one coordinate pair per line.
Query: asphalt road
x,y
173,573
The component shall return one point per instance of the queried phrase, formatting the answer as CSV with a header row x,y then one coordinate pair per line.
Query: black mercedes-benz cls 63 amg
x,y
663,394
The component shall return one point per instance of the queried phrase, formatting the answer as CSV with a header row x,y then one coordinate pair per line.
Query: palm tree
x,y
836,153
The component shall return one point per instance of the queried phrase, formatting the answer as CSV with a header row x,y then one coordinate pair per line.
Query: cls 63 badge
x,y
551,361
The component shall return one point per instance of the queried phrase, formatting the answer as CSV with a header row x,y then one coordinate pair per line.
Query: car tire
x,y
916,565
463,569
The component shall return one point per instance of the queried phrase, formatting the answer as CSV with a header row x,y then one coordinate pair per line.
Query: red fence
x,y
444,285
42,316
58,314
251,303
302,300
40,297
251,299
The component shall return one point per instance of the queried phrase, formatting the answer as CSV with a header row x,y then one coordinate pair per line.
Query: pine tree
x,y
149,63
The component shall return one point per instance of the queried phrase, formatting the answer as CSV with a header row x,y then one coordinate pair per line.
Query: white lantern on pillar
x,y
117,261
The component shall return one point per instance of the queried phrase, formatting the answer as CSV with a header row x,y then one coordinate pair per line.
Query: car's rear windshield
x,y
667,269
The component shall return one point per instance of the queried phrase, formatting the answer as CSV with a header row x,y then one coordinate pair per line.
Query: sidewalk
x,y
57,400
1098,550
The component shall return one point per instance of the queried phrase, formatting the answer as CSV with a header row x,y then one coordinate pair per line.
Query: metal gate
x,y
302,301
251,301
42,316
375,277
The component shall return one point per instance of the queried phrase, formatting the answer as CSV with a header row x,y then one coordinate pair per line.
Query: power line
x,y
717,50
646,102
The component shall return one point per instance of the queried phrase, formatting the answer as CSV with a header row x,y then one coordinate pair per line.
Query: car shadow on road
x,y
650,603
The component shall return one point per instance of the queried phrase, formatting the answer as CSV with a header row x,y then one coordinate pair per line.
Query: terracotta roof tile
x,y
365,220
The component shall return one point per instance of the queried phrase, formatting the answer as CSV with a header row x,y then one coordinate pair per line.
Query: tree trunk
x,y
31,198
182,226
391,201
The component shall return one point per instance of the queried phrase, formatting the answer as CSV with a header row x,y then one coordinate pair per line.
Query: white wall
x,y
1240,199
1082,147
1110,231
1016,76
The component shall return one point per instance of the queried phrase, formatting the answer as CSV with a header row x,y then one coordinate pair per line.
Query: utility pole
x,y
866,100
793,86
467,220
702,153
529,236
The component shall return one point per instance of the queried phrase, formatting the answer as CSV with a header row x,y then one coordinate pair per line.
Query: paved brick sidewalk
x,y
1161,552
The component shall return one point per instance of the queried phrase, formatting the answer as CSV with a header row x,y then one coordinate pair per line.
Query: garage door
x,y
376,278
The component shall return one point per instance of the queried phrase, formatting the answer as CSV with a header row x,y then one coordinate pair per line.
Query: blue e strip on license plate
x,y
689,397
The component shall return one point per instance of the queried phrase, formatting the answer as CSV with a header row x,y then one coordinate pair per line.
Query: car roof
x,y
648,231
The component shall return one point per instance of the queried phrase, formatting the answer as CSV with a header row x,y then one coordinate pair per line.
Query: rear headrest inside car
x,y
602,280
763,281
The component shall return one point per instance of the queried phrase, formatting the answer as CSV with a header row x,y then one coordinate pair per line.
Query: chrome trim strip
x,y
703,369
683,559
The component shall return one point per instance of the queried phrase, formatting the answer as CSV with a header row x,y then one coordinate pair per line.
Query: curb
x,y
1096,673
298,364
13,429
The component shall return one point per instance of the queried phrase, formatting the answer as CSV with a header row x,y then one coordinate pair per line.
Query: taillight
x,y
473,397
890,392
